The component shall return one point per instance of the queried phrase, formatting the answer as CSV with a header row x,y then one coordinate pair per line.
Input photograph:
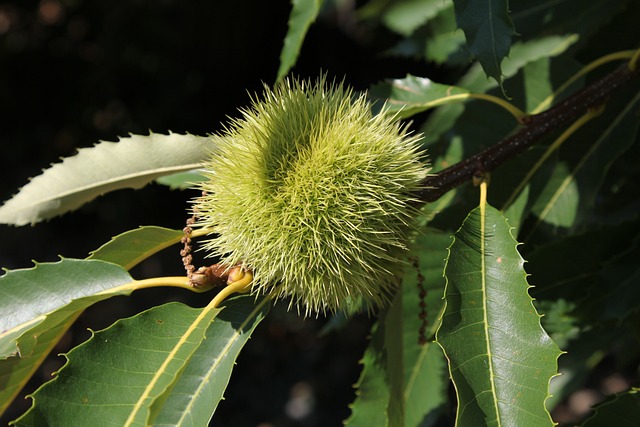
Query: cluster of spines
x,y
312,192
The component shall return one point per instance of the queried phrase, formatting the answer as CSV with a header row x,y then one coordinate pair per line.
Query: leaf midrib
x,y
108,182
483,257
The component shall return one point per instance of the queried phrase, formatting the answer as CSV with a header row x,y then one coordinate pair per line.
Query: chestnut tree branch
x,y
535,127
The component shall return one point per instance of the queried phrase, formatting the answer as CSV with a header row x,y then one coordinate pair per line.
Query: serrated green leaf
x,y
379,390
405,16
117,374
182,180
132,162
620,410
500,358
522,53
27,295
193,397
303,14
412,95
38,305
488,30
426,375
133,246
372,389
447,45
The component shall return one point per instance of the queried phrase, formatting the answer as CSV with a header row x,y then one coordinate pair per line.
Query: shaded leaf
x,y
579,186
500,358
621,410
565,268
533,18
303,14
488,30
372,388
617,294
133,246
132,162
426,377
447,45
380,387
182,180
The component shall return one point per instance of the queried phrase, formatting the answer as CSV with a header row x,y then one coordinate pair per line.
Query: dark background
x,y
73,73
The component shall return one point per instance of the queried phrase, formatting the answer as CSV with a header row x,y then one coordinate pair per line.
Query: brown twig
x,y
534,129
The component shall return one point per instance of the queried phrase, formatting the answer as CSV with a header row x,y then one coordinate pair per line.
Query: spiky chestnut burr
x,y
313,194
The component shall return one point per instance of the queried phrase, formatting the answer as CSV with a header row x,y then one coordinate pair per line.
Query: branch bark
x,y
535,127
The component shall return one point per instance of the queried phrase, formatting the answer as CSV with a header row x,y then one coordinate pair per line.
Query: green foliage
x,y
511,316
132,162
500,358
131,247
35,316
620,410
174,368
488,30
303,14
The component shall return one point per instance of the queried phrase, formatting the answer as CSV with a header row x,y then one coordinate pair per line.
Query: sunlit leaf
x,y
38,306
195,393
117,374
500,358
405,16
411,95
522,53
133,246
132,162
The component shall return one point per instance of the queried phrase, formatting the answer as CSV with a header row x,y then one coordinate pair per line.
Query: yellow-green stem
x,y
243,285
173,281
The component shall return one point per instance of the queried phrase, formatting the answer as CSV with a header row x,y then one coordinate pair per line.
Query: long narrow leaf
x,y
500,358
131,247
303,14
196,392
426,376
117,374
379,389
132,162
578,186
